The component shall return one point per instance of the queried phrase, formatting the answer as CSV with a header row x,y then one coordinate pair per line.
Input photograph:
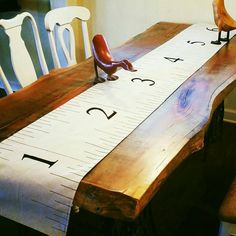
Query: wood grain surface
x,y
123,183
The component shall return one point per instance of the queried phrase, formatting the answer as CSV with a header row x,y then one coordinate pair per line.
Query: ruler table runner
x,y
42,164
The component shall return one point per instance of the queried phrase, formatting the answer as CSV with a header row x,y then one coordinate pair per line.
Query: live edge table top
x,y
123,183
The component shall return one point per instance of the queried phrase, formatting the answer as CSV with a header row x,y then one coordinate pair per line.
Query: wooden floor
x,y
187,203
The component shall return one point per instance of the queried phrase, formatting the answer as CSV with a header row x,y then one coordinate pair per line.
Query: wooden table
x,y
123,183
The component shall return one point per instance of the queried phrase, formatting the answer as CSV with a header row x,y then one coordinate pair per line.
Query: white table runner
x,y
42,164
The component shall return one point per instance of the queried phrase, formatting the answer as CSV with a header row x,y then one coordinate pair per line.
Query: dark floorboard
x,y
187,203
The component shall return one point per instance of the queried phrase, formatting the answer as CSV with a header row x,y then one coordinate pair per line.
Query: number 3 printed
x,y
144,80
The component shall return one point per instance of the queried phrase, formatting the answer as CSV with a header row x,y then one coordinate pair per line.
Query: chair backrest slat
x,y
60,19
21,61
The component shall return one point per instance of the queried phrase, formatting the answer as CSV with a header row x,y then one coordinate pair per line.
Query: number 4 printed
x,y
173,59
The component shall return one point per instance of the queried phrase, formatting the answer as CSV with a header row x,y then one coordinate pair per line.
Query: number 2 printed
x,y
100,109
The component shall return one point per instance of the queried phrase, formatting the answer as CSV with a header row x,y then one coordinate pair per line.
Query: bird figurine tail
x,y
223,20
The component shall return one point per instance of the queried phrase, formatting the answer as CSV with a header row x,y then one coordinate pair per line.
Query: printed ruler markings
x,y
58,112
80,175
144,109
68,187
108,141
58,221
63,177
76,169
92,153
5,144
25,135
81,168
88,165
26,131
70,110
152,100
59,229
128,126
61,225
85,95
51,115
3,158
53,119
46,119
146,104
134,119
148,112
121,130
101,151
71,168
74,100
40,130
95,90
51,207
90,93
36,125
17,136
60,154
59,216
61,195
94,157
59,120
71,104
6,149
98,146
40,122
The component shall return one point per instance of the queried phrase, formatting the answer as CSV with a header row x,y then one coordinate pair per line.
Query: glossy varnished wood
x,y
122,184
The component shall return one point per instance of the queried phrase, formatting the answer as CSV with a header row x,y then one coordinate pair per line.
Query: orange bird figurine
x,y
103,59
223,20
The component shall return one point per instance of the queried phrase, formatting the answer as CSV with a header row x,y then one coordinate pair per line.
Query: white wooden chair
x,y
62,18
20,57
